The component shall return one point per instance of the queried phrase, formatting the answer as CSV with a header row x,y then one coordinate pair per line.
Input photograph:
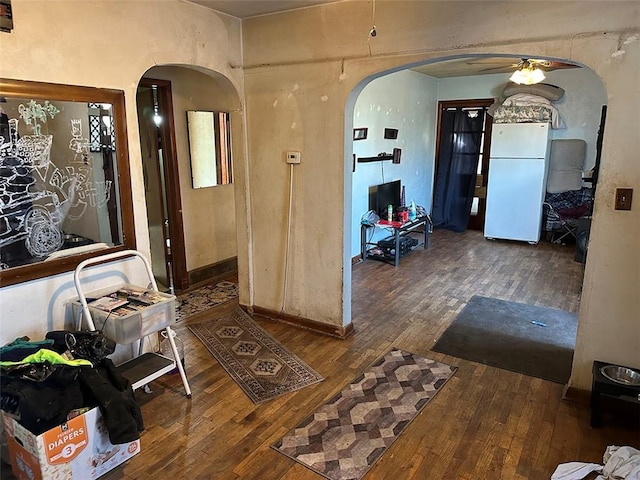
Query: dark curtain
x,y
460,142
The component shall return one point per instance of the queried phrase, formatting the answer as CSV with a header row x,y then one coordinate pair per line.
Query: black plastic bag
x,y
92,346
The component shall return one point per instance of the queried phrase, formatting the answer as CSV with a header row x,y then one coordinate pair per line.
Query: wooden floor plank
x,y
484,423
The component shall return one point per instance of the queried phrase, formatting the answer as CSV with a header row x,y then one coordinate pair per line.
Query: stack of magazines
x,y
126,301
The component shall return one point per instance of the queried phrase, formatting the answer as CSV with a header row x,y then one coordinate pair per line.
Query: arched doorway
x,y
582,116
192,228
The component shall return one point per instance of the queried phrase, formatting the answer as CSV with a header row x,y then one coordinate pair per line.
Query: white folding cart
x,y
133,327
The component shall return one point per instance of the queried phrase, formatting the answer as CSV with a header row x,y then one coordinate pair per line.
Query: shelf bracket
x,y
394,157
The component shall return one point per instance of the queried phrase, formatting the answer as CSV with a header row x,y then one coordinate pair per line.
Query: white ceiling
x,y
252,8
460,67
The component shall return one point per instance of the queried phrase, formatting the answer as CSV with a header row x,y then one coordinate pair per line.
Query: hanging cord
x,y
286,253
373,32
105,321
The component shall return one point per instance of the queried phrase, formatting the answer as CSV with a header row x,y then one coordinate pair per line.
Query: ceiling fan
x,y
502,63
528,71
532,63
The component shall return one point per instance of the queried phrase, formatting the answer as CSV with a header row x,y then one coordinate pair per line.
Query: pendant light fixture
x,y
528,72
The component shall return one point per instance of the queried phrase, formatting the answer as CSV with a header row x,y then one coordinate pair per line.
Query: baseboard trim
x,y
217,270
301,322
576,395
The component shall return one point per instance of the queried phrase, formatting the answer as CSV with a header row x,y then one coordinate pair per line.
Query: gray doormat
x,y
261,366
534,341
344,437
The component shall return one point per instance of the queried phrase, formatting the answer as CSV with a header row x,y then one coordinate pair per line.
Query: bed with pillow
x,y
529,103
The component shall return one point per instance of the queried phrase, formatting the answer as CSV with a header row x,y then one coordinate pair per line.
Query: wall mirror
x,y
209,148
65,190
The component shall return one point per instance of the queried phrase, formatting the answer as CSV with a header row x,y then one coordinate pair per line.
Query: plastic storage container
x,y
130,327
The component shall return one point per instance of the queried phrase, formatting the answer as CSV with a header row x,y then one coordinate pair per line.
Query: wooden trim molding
x,y
209,273
172,181
576,395
341,332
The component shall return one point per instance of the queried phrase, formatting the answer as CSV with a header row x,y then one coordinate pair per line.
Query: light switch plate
x,y
623,198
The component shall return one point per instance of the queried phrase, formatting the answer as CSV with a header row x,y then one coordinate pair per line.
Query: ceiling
x,y
252,8
460,67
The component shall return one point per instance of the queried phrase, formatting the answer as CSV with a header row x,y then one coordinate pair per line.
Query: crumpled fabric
x,y
575,470
40,406
529,100
22,347
620,463
105,387
45,355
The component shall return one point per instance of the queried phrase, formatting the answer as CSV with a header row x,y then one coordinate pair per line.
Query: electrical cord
x,y
373,32
101,330
286,253
373,232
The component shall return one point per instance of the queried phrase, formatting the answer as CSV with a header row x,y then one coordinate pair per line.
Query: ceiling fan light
x,y
527,76
516,77
537,75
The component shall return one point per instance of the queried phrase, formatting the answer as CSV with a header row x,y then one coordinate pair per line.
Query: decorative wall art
x,y
391,133
60,189
6,16
360,133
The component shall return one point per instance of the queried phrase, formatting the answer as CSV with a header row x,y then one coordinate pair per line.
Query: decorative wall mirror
x,y
65,190
209,148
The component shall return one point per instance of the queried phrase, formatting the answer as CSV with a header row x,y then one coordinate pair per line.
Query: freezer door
x,y
515,192
520,140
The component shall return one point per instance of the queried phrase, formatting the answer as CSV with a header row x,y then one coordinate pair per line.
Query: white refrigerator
x,y
517,181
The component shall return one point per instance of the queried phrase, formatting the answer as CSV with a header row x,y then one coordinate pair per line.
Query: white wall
x,y
297,86
404,100
408,101
579,107
95,44
295,89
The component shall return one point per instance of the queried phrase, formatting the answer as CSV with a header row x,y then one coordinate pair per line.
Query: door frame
x,y
477,222
172,182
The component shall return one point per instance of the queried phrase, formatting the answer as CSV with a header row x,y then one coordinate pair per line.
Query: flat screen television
x,y
387,194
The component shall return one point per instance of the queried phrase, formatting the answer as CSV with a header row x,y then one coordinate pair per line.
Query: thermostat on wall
x,y
293,157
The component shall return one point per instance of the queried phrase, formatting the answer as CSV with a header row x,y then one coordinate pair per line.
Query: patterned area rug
x,y
205,298
345,437
262,367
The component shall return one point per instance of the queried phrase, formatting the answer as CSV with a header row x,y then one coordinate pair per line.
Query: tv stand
x,y
399,244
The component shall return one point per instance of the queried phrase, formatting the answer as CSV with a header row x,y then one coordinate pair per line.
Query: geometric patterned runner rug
x,y
261,366
205,298
344,438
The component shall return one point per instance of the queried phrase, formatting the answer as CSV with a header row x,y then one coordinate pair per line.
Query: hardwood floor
x,y
486,423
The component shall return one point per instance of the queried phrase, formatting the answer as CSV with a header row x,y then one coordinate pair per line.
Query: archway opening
x,y
407,100
190,245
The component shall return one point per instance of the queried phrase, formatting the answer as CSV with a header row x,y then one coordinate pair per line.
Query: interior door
x,y
162,193
446,142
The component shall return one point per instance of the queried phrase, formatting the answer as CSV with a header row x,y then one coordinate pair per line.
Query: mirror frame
x,y
222,161
70,93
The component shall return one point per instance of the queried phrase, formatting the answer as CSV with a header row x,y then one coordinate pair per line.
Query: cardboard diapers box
x,y
78,449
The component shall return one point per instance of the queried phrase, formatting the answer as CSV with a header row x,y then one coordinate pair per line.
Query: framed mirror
x,y
209,148
65,192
